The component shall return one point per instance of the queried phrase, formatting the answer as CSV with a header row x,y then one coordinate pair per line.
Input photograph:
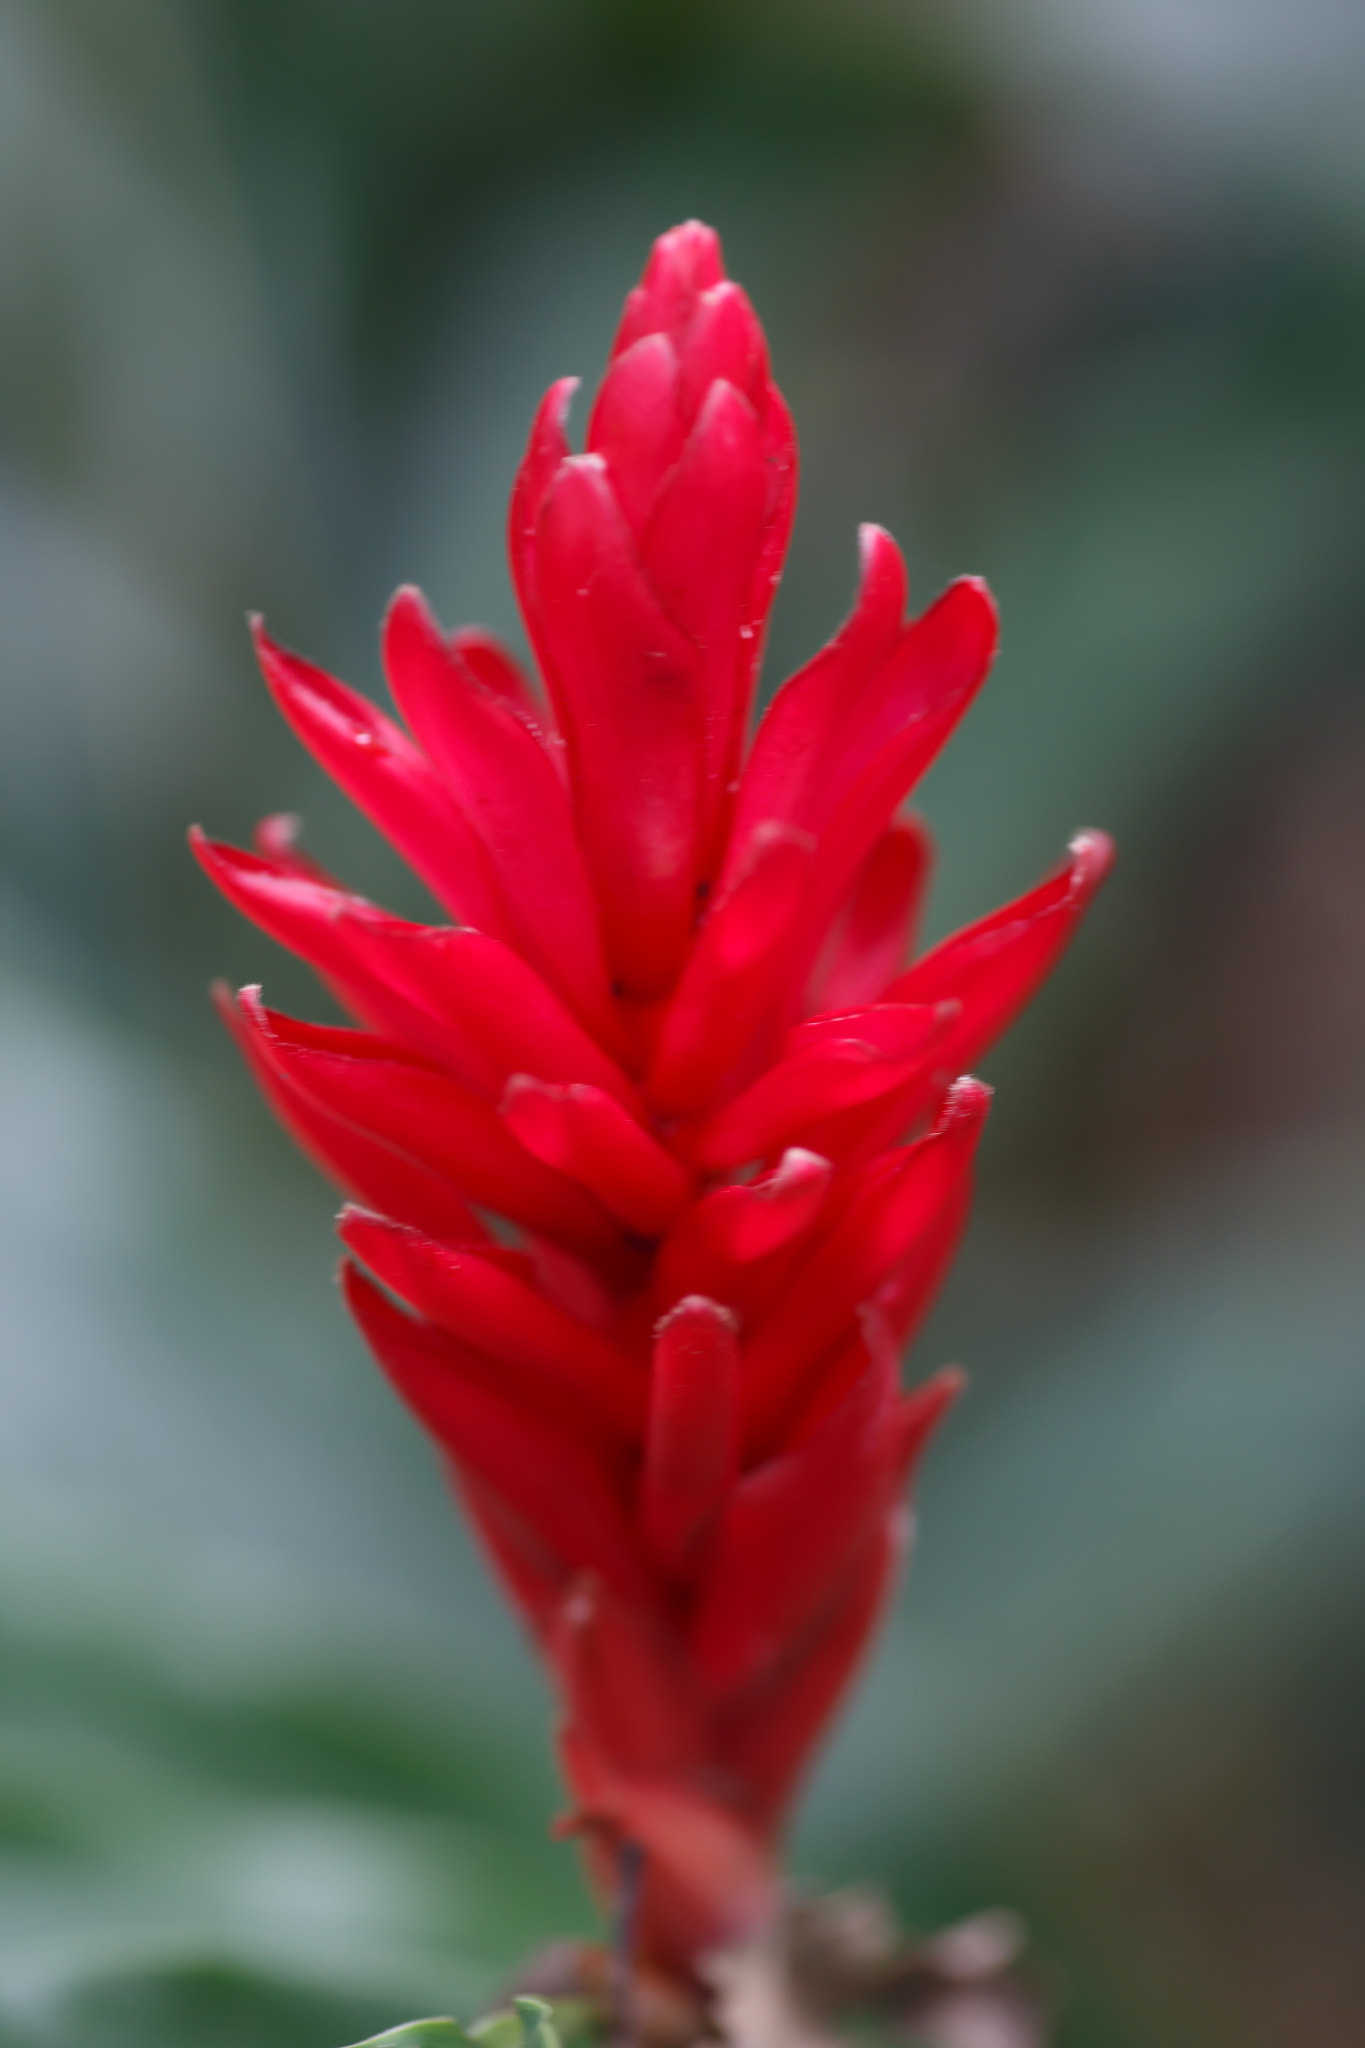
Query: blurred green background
x,y
1067,292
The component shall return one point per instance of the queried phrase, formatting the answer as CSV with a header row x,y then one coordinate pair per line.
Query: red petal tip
x,y
1094,853
985,596
698,1305
407,598
967,1098
692,252
873,541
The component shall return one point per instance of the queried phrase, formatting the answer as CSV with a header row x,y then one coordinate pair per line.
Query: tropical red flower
x,y
659,1149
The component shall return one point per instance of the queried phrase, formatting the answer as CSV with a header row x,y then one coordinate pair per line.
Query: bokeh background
x,y
1067,292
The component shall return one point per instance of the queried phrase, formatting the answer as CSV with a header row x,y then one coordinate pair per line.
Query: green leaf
x,y
537,2023
529,2023
438,2033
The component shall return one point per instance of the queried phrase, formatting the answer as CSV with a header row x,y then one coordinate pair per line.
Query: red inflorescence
x,y
659,1149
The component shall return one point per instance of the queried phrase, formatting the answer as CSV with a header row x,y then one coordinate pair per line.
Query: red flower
x,y
669,1039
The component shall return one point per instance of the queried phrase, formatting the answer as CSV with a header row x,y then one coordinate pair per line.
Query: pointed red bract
x,y
624,681
993,968
663,1149
886,1212
692,1436
784,774
543,1476
789,1528
859,1061
873,936
584,1133
497,766
426,1117
464,1290
361,1165
380,770
723,1246
735,978
765,1734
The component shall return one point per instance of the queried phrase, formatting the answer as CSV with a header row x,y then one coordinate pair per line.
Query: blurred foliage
x,y
1071,294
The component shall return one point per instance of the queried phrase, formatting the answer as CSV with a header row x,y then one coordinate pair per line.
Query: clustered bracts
x,y
659,1148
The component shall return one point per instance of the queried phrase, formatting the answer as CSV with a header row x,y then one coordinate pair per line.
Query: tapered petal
x,y
498,767
723,342
692,1442
906,1298
584,1132
718,339
765,1734
361,1165
682,265
625,683
910,703
492,1008
910,709
490,663
790,1529
875,932
781,463
699,552
994,967
821,1077
383,773
460,999
431,1119
916,1083
737,972
546,1480
898,1031
717,1242
892,1204
637,424
473,1298
309,917
547,447
782,777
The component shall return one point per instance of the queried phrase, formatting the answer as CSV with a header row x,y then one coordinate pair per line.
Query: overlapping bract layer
x,y
672,1047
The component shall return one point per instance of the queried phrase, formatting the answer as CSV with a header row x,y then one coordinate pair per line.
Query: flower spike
x,y
658,1145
